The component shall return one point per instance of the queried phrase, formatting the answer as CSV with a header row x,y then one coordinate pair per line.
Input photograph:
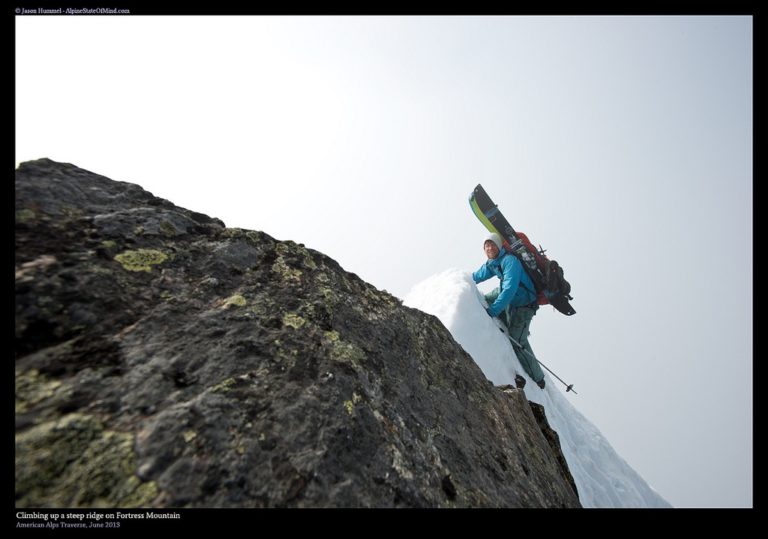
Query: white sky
x,y
623,145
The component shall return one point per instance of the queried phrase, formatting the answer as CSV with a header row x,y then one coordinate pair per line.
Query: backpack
x,y
548,278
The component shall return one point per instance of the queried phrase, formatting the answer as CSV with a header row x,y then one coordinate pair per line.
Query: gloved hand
x,y
488,310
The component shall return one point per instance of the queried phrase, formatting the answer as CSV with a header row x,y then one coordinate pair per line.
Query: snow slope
x,y
602,477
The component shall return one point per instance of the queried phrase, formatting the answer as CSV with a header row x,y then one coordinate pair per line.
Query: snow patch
x,y
602,477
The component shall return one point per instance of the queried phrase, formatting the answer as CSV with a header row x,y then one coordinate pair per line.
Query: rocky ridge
x,y
165,360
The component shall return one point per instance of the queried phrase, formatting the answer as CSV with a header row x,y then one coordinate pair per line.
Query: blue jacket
x,y
517,288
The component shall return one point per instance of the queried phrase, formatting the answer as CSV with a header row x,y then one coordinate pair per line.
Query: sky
x,y
622,145
603,479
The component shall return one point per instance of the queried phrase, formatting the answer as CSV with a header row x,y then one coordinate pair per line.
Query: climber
x,y
513,302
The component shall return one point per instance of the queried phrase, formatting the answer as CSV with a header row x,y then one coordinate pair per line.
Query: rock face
x,y
164,360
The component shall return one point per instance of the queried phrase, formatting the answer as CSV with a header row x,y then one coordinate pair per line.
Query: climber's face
x,y
491,251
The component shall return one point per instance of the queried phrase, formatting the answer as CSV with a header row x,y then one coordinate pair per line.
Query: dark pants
x,y
518,322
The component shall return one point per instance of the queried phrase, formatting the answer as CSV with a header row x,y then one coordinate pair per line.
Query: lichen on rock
x,y
75,462
141,259
236,300
25,215
293,320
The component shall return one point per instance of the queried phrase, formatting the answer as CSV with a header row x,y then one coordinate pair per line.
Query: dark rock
x,y
163,360
553,440
449,487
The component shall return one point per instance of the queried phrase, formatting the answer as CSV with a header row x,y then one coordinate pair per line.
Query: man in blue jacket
x,y
514,302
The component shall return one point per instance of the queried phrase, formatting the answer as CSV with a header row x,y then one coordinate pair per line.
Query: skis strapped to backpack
x,y
547,275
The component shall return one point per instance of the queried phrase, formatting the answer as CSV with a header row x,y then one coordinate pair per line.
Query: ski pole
x,y
567,387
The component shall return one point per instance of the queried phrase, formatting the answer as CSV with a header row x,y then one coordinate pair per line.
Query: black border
x,y
345,521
